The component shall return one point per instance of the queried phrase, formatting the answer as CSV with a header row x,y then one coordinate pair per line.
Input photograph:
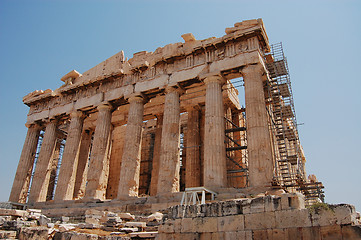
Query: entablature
x,y
148,73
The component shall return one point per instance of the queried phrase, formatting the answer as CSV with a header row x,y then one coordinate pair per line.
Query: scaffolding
x,y
289,172
236,152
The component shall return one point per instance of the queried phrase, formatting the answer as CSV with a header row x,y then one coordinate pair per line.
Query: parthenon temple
x,y
162,122
200,134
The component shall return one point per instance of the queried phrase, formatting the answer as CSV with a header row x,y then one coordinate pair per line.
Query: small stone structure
x,y
132,135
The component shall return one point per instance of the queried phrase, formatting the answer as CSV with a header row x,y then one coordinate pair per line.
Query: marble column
x,y
40,182
21,183
193,163
130,167
82,168
67,174
156,156
99,162
258,135
168,179
215,172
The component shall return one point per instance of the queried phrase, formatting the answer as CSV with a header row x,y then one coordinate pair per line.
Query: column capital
x,y
104,106
135,98
255,68
32,125
213,78
78,114
50,120
169,89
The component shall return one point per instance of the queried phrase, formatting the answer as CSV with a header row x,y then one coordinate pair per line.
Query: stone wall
x,y
269,217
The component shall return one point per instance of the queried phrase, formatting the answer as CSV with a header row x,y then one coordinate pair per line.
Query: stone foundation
x,y
270,217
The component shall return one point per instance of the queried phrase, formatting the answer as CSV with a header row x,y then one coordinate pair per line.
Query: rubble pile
x,y
95,225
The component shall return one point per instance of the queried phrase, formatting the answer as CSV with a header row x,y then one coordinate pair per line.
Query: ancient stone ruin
x,y
159,146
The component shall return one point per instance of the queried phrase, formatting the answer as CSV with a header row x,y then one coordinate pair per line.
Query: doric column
x,y
99,162
258,136
193,163
130,167
168,179
40,183
156,156
215,173
82,169
20,187
67,174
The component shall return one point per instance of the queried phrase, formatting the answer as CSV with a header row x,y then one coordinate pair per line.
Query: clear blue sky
x,y
40,41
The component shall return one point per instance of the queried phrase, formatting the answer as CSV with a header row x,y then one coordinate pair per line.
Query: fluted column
x,y
67,174
82,168
168,179
130,167
193,163
20,187
260,164
215,172
40,183
156,156
99,161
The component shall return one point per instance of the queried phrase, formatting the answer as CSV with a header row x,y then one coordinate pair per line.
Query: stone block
x,y
157,216
345,214
257,205
13,212
272,203
7,234
38,116
187,74
246,206
184,236
351,232
167,227
61,110
322,216
293,218
33,233
311,233
292,201
234,62
231,223
239,235
331,232
66,227
212,209
143,235
189,225
277,234
129,229
177,225
43,220
158,82
260,234
126,216
293,233
206,224
260,220
89,101
230,208
135,224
